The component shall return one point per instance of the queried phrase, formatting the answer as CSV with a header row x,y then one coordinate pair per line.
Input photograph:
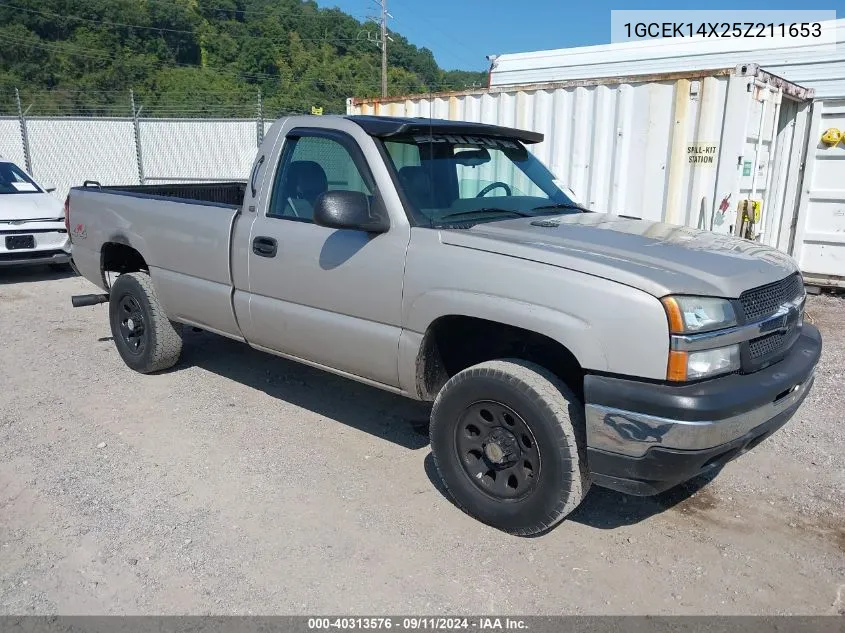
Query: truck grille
x,y
767,346
765,300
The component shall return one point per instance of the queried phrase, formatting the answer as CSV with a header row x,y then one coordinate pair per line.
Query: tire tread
x,y
553,395
167,335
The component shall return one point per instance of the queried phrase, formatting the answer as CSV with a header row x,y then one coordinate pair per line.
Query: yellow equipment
x,y
748,217
831,136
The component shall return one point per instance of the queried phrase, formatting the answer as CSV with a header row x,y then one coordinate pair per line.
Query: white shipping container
x,y
820,66
818,236
680,147
811,229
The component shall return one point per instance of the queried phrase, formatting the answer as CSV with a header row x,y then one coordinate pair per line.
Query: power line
x,y
63,47
93,21
277,12
56,47
59,48
153,28
381,40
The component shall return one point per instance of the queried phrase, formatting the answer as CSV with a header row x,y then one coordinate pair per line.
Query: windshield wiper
x,y
460,214
561,205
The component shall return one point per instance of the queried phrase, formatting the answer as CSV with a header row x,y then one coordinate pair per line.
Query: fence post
x,y
138,155
24,133
259,122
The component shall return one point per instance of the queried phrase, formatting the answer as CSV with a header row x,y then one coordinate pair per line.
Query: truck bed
x,y
230,194
182,232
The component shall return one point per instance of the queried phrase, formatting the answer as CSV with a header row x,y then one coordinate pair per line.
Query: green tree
x,y
200,57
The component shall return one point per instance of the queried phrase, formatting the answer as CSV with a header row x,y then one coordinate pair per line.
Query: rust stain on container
x,y
677,165
572,83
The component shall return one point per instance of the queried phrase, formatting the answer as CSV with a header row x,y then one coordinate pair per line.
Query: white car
x,y
32,222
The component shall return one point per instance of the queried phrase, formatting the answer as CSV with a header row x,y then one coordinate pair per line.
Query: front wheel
x,y
507,439
145,338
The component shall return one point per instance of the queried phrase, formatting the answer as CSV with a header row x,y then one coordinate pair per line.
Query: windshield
x,y
450,179
14,180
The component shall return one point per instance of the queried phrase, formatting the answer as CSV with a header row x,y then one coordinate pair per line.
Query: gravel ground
x,y
243,483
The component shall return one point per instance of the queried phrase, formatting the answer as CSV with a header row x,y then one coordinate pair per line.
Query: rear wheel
x,y
145,338
507,438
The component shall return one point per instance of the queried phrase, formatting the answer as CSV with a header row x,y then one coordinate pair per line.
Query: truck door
x,y
324,295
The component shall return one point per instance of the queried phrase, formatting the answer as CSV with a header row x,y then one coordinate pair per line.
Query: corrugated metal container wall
x,y
808,223
197,150
819,241
817,66
662,149
11,143
66,152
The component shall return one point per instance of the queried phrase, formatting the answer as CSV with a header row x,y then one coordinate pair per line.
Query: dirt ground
x,y
240,483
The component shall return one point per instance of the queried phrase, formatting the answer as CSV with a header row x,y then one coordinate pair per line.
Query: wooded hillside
x,y
200,57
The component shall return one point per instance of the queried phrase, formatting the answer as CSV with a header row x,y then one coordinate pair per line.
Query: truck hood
x,y
655,257
29,206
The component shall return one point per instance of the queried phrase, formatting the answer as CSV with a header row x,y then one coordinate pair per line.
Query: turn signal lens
x,y
676,371
673,313
691,315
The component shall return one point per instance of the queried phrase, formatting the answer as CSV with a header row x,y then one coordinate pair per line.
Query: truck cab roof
x,y
388,126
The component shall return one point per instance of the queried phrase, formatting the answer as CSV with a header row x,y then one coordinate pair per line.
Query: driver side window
x,y
310,166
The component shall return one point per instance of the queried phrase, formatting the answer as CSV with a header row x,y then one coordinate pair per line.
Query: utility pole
x,y
384,15
380,40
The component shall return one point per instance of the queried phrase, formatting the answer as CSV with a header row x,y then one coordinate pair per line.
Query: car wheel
x,y
507,437
145,338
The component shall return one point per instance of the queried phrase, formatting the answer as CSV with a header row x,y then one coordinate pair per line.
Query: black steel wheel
x,y
507,437
145,338
497,450
133,331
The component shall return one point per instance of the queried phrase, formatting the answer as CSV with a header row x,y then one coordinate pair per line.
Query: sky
x,y
461,33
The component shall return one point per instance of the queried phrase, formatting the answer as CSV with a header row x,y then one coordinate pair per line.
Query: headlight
x,y
702,364
695,315
691,315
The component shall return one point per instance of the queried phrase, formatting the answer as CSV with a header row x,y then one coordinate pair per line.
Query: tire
x,y
157,343
532,470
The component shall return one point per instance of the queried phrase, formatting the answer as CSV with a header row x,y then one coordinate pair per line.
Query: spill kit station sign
x,y
702,154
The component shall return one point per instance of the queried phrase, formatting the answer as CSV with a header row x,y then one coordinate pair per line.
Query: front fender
x,y
570,331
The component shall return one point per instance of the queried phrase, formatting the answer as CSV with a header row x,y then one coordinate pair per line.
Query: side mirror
x,y
348,210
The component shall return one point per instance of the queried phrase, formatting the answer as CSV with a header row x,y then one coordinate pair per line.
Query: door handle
x,y
264,246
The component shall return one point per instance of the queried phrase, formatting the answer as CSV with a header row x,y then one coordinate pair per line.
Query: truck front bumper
x,y
644,438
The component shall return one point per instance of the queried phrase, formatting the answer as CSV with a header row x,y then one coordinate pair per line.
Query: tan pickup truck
x,y
442,261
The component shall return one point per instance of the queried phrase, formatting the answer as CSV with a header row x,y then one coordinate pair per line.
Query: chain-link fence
x,y
64,151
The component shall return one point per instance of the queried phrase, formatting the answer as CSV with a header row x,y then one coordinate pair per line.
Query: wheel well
x,y
453,343
121,258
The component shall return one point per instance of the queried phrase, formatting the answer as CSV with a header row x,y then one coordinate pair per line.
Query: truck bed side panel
x,y
185,244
